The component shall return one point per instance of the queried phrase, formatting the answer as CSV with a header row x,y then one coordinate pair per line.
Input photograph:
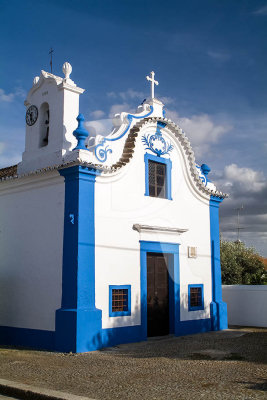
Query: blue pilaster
x,y
218,308
78,322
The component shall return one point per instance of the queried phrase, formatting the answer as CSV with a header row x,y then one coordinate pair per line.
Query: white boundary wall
x,y
246,304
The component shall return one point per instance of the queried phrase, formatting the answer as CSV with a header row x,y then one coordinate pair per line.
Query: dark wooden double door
x,y
157,295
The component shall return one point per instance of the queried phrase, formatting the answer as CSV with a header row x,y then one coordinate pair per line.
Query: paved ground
x,y
216,365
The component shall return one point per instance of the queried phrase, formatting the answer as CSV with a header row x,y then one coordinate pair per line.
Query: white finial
x,y
153,83
67,69
36,80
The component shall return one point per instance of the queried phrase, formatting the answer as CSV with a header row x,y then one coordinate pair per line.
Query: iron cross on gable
x,y
51,60
153,83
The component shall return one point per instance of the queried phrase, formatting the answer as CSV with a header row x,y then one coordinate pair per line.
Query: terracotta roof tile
x,y
8,171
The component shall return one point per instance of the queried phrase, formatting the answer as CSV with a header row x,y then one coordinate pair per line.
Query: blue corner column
x,y
218,309
78,322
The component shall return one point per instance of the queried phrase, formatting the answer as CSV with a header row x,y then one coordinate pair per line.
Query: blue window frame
x,y
149,158
119,300
195,297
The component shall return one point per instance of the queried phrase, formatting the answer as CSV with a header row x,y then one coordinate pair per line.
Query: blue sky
x,y
209,57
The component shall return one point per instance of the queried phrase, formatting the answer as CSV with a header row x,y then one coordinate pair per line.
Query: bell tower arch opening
x,y
44,125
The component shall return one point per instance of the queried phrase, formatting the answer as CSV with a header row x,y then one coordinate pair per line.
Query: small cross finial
x,y
51,53
153,83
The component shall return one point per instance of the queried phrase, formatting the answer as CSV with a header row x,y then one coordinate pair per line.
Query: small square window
x,y
119,300
195,297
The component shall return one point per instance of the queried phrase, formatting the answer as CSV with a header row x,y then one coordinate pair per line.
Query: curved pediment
x,y
161,146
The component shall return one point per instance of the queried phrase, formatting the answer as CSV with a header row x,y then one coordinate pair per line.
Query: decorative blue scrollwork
x,y
203,173
156,143
101,152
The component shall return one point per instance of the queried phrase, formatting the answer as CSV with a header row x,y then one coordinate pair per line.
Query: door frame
x,y
171,249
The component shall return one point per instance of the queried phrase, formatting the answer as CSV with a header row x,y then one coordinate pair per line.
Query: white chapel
x,y
108,239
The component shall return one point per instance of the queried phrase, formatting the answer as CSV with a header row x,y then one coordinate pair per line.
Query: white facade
x,y
78,220
116,239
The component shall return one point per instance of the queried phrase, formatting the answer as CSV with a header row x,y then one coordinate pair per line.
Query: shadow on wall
x,y
119,334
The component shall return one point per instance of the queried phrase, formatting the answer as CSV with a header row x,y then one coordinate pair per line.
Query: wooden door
x,y
157,295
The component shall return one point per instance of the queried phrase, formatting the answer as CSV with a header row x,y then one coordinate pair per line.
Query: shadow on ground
x,y
230,345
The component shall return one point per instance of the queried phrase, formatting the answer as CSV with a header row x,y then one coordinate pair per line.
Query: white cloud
x,y
248,188
244,179
200,129
118,108
167,100
261,11
131,94
97,114
6,97
101,127
128,94
219,56
173,115
19,92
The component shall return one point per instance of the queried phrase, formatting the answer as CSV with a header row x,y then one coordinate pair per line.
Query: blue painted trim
x,y
101,152
218,308
201,306
171,249
120,335
78,322
193,326
119,313
168,164
35,338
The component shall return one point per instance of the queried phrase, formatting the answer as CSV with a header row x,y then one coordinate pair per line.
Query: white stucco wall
x,y
246,304
120,202
31,240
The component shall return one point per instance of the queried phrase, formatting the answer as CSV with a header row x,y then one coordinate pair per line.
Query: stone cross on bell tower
x,y
153,83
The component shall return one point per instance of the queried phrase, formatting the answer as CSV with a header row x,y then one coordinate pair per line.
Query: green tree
x,y
241,265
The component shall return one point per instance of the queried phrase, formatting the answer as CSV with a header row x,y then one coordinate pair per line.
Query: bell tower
x,y
52,106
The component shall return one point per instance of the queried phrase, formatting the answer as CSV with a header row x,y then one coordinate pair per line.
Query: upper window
x,y
119,300
157,179
158,176
195,297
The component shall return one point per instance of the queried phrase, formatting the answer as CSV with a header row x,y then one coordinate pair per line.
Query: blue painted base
x,y
193,326
126,334
218,312
90,336
78,331
35,338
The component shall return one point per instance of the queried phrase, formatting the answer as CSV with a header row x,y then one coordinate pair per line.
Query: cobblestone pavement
x,y
229,364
